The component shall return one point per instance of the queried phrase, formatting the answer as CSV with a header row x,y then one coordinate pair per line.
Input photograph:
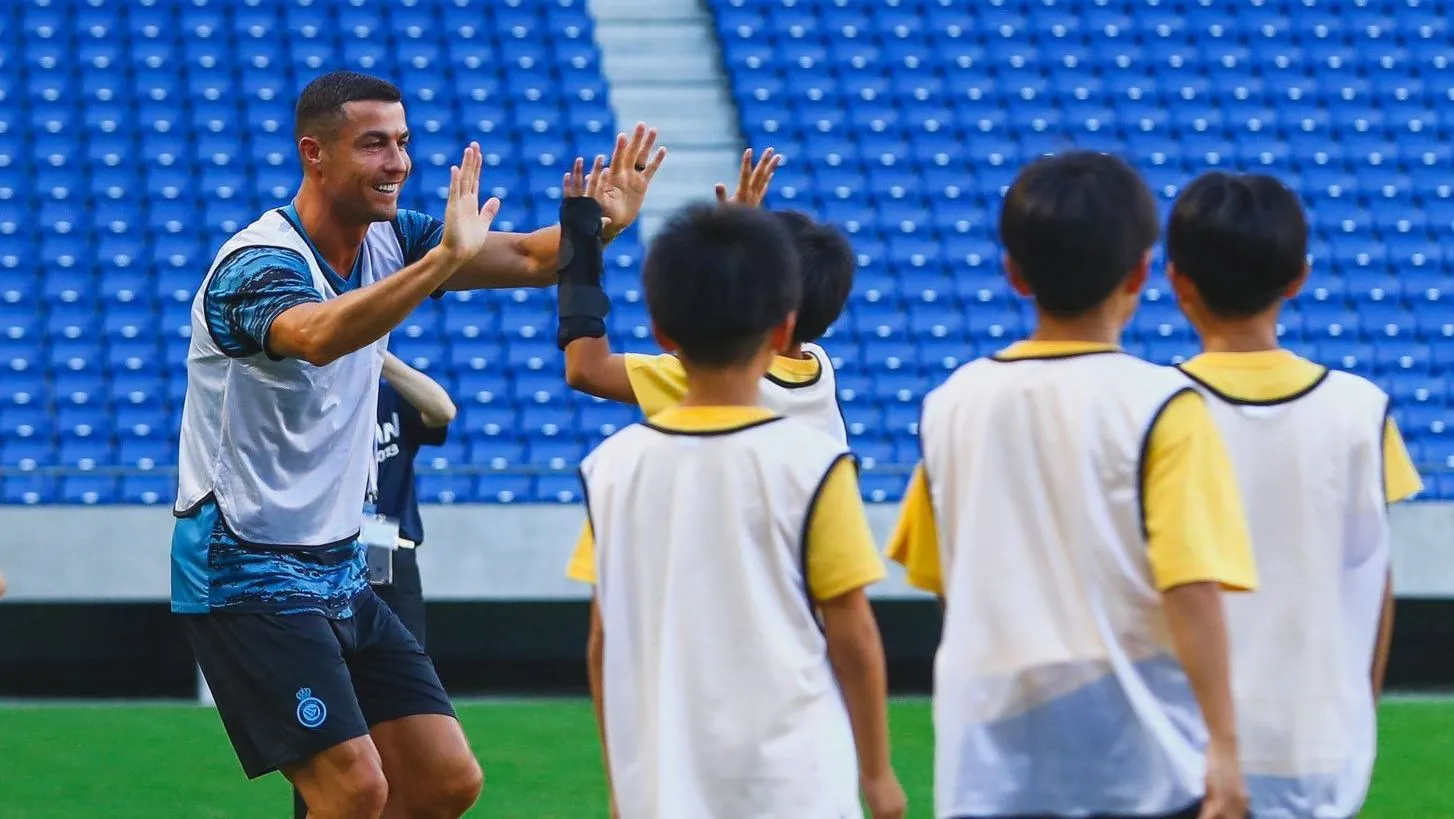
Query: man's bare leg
x,y
432,772
344,782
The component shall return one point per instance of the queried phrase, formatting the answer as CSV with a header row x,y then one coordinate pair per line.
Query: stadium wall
x,y
87,614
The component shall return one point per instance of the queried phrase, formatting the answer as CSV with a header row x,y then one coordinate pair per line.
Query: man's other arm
x,y
423,393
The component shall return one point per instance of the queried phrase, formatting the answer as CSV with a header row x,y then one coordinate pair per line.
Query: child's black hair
x,y
828,263
719,279
1241,239
1076,224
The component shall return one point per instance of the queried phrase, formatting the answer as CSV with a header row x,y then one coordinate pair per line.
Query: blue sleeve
x,y
249,291
419,233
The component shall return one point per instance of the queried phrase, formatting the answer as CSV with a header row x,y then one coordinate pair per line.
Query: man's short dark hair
x,y
719,279
828,263
1242,239
1076,224
320,106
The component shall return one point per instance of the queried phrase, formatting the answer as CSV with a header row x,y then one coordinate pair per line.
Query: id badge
x,y
380,537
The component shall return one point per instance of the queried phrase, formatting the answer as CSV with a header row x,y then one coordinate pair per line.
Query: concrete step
x,y
647,10
664,37
631,68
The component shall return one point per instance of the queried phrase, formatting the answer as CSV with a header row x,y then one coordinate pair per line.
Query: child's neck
x,y
795,351
1250,335
1095,328
737,387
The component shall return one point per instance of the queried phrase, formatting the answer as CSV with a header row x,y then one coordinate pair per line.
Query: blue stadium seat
x,y
503,489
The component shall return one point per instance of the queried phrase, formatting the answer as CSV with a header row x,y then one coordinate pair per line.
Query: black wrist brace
x,y
581,304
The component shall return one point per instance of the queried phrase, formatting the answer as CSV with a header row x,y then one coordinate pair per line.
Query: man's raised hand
x,y
623,186
752,181
466,223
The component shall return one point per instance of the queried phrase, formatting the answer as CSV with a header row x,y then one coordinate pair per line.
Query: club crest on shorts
x,y
311,710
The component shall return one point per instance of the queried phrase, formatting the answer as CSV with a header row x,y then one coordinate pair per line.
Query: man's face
x,y
366,160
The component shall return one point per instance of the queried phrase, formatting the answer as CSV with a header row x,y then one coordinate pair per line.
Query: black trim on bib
x,y
798,385
1013,359
590,523
1248,402
1145,451
807,528
710,433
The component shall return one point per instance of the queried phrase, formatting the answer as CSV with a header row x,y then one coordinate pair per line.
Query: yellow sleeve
x,y
659,381
1401,480
841,552
582,566
1195,524
915,541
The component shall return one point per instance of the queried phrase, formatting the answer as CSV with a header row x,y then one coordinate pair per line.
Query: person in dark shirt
x,y
414,411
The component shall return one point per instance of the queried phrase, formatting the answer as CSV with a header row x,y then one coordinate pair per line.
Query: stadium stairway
x,y
663,65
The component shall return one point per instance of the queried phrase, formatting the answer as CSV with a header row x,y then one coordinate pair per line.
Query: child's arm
x,y
914,543
1385,638
1401,481
841,562
1199,632
856,651
1198,545
582,569
592,368
595,665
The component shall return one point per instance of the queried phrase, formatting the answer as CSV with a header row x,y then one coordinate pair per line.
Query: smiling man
x,y
312,674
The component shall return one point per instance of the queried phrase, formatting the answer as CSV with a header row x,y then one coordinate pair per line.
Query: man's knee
x,y
344,782
362,791
457,791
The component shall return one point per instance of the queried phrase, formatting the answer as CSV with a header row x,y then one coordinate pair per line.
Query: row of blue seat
x,y
159,490
877,487
901,86
877,438
303,23
885,374
1427,427
1065,19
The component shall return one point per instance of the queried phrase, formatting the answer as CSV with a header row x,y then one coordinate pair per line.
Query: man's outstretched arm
x,y
510,260
321,332
531,259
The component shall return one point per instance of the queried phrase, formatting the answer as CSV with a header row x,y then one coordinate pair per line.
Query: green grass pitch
x,y
540,758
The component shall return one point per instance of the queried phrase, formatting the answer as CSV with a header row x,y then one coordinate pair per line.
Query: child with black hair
x,y
734,659
800,383
1319,460
1075,512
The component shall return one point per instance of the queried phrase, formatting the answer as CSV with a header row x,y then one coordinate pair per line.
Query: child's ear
x,y
1136,280
1299,283
663,339
1186,292
1017,282
782,335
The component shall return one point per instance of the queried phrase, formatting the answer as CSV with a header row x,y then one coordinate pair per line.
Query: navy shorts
x,y
289,686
